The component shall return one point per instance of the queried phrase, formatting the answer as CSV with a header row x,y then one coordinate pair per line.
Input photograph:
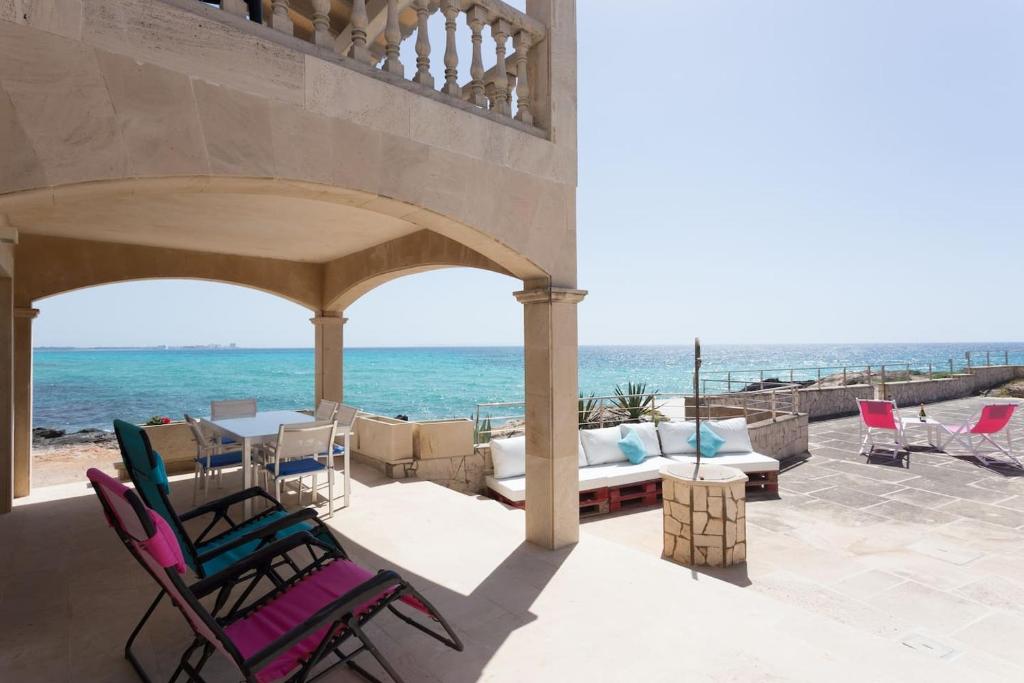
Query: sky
x,y
750,172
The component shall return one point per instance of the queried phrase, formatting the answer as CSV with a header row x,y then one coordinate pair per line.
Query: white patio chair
x,y
326,410
210,458
993,419
880,416
345,419
223,410
296,457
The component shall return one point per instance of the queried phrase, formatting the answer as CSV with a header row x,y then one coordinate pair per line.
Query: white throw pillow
x,y
509,457
648,433
734,431
602,445
582,459
675,437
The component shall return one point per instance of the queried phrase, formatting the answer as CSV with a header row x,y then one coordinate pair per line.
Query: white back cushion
x,y
734,431
602,445
675,437
648,433
509,457
582,454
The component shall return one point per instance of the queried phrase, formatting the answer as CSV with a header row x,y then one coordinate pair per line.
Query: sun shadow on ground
x,y
87,592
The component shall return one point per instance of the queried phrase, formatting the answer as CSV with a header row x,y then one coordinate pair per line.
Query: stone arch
x,y
348,278
60,265
268,233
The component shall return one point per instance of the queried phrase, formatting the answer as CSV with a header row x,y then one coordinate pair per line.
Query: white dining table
x,y
252,431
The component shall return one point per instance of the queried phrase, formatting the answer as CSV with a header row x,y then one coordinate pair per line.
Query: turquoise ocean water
x,y
77,388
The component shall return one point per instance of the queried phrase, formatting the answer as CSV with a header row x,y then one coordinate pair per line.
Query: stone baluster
x,y
511,89
451,53
522,42
423,76
359,22
322,23
279,19
499,31
236,7
476,17
393,41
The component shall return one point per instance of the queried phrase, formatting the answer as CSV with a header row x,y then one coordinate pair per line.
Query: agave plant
x,y
634,402
589,412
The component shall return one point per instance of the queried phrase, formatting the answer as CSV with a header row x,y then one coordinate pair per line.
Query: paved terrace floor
x,y
875,571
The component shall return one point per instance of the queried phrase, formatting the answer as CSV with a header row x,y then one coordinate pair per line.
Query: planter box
x,y
385,439
438,439
704,518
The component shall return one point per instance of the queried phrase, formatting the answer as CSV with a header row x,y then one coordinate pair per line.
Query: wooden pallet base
x,y
592,502
641,494
763,482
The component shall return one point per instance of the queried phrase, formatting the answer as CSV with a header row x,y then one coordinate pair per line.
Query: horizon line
x,y
219,347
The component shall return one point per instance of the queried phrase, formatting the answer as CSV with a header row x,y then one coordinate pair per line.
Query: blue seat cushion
x,y
221,460
292,467
633,447
710,442
226,559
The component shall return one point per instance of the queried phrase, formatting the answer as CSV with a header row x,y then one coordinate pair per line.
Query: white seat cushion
x,y
675,437
602,445
624,473
744,462
734,431
648,433
514,488
509,457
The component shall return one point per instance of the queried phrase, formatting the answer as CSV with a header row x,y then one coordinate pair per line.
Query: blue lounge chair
x,y
225,539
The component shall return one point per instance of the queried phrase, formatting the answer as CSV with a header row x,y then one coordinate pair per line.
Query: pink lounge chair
x,y
880,416
273,627
993,419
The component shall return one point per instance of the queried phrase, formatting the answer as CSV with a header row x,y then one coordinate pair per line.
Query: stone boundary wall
x,y
781,439
829,402
821,404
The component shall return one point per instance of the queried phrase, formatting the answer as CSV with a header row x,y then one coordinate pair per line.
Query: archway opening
x,y
153,349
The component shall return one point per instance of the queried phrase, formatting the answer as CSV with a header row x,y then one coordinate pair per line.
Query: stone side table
x,y
704,517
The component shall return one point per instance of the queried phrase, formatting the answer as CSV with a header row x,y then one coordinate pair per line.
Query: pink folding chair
x,y
993,419
876,417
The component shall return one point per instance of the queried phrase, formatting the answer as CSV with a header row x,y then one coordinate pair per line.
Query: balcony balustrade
x,y
372,32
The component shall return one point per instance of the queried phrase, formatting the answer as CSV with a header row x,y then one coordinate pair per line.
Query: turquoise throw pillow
x,y
709,441
160,473
633,446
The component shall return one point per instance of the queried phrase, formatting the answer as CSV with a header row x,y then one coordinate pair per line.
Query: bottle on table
x,y
921,415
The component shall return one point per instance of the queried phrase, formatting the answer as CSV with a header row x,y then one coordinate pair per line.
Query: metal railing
x,y
504,419
842,375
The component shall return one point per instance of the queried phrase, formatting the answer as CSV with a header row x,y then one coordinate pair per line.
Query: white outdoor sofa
x,y
608,481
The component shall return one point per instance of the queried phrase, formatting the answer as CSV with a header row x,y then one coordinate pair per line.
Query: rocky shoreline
x,y
47,437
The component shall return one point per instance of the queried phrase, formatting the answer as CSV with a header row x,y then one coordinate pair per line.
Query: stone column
x,y
552,476
23,317
6,394
329,353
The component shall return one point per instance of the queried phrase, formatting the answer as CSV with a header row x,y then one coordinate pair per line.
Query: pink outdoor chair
x,y
880,416
993,419
271,627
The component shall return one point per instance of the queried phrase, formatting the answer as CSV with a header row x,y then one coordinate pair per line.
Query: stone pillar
x,y
704,515
6,394
329,353
552,476
23,317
